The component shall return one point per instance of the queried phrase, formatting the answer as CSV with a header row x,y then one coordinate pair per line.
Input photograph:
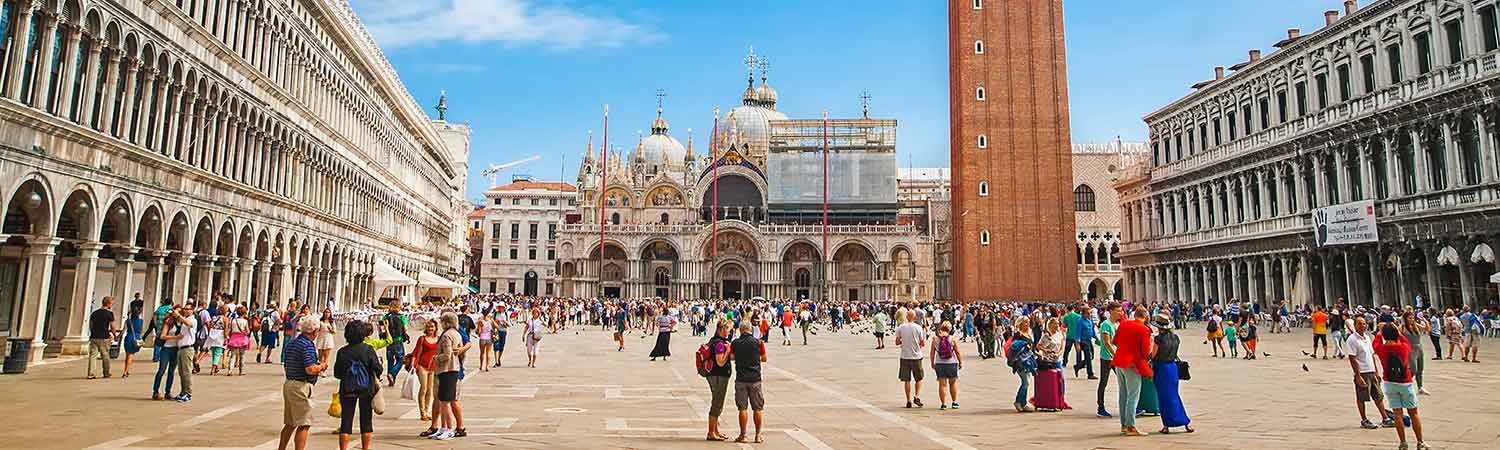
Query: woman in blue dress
x,y
968,324
1164,370
133,324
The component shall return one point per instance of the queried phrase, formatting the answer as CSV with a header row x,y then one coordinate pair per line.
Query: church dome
x,y
753,122
660,146
766,94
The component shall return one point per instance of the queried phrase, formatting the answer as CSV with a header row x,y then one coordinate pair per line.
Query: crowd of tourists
x,y
1136,345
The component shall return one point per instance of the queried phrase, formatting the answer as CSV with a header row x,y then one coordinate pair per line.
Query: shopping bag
x,y
409,386
334,409
377,403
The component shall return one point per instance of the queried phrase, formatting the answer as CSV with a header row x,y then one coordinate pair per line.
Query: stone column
x,y
1465,280
124,276
1453,171
287,285
1253,289
1376,297
262,293
84,276
1486,148
246,267
69,75
1328,298
44,62
40,252
17,65
152,291
1419,155
181,271
1234,281
1349,292
106,111
1286,279
1431,253
128,102
1269,281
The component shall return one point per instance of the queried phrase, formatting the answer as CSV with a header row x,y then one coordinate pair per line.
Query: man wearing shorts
x,y
748,353
911,338
1320,332
300,360
1366,385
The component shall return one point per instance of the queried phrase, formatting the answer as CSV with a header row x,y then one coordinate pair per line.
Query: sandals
x,y
1165,430
758,439
429,432
1132,432
741,439
716,438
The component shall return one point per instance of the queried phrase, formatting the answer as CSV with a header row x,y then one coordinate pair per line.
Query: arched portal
x,y
803,264
659,258
611,269
528,286
731,280
854,267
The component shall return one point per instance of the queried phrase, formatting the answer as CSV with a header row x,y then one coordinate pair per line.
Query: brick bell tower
x,y
1012,165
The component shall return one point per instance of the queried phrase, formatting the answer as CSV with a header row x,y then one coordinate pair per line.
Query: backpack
x,y
1395,370
359,377
1213,326
1019,355
704,359
945,348
254,323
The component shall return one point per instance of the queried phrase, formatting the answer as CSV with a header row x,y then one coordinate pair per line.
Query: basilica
x,y
774,207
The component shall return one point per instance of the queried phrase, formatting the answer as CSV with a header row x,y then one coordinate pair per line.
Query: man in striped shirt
x,y
300,359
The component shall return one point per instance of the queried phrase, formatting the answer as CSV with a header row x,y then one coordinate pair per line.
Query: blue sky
x,y
531,76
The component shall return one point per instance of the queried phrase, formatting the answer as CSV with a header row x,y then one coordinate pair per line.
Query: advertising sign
x,y
1349,223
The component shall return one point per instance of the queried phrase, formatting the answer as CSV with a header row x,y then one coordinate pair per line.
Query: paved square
x,y
837,393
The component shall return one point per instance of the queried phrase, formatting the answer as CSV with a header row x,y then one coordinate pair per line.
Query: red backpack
x,y
704,359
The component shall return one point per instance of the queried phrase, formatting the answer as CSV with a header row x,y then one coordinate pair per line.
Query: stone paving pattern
x,y
837,393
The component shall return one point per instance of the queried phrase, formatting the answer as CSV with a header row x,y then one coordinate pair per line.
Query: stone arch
x,y
78,219
813,252
118,224
245,242
659,249
733,242
203,236
148,229
179,232
29,209
225,241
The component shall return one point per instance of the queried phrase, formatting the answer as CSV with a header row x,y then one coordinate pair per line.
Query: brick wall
x,y
1027,162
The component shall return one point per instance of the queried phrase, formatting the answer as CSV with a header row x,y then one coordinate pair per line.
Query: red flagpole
x,y
603,180
713,143
825,188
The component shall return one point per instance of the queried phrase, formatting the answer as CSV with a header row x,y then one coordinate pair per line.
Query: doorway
x,y
611,292
528,287
731,289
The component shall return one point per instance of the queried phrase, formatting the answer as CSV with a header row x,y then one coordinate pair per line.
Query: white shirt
x,y
189,328
1360,348
912,336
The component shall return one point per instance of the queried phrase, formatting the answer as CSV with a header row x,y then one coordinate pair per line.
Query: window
x,y
1232,130
497,202
515,201
515,231
1280,106
984,142
494,253
536,202
984,237
551,202
1345,92
984,189
494,231
1218,134
614,219
492,287
1367,70
1083,198
979,94
551,254
1191,145
551,231
1423,41
1321,80
549,288
531,253
1301,89
532,232
1455,31
511,287
1265,112
979,47
1393,59
665,219
1203,134
1245,114
513,253
1178,145
1491,31
978,4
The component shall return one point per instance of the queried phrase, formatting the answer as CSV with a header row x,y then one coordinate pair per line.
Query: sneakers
x,y
183,398
954,405
908,404
1423,391
1367,425
943,407
442,434
916,401
1402,446
1388,423
1423,446
1103,413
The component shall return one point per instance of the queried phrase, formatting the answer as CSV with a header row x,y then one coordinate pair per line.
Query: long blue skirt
x,y
1173,414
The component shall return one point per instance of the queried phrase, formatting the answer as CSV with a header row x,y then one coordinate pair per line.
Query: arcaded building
x,y
1384,116
1012,172
1096,209
261,150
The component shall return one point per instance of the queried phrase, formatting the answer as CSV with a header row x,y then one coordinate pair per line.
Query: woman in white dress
x,y
533,336
325,341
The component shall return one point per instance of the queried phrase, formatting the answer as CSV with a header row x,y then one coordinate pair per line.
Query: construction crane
x,y
494,170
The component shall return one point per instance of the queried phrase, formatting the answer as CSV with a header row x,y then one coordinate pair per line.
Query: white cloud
x,y
401,23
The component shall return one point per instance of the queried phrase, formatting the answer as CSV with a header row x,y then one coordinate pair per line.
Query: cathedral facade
x,y
747,218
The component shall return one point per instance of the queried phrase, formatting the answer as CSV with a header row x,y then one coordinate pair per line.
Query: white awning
x,y
435,285
1495,278
1482,253
385,276
1447,257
